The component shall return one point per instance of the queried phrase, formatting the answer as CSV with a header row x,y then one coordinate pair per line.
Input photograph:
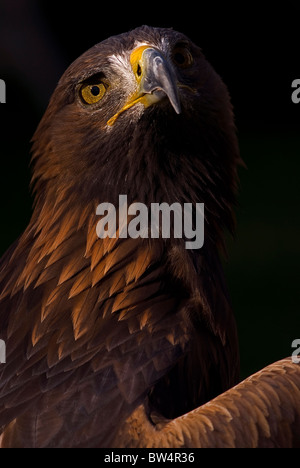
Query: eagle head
x,y
142,114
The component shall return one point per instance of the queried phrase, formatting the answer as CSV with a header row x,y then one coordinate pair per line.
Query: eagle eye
x,y
92,92
182,57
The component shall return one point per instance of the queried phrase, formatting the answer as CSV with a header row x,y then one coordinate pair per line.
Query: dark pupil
x,y
179,58
95,90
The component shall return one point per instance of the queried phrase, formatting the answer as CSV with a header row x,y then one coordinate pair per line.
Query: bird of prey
x,y
109,339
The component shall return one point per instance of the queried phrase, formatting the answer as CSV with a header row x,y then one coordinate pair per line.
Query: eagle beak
x,y
155,79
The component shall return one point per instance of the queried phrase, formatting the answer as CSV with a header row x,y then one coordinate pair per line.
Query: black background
x,y
255,48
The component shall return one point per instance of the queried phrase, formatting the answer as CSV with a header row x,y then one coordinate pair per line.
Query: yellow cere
x,y
135,59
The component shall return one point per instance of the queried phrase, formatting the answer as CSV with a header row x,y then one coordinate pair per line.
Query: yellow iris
x,y
92,93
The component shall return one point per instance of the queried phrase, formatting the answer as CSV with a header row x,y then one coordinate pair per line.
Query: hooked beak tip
x,y
158,75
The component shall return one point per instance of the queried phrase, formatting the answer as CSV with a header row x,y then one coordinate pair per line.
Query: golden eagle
x,y
109,339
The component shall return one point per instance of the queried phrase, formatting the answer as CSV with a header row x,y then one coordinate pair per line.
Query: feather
x,y
221,422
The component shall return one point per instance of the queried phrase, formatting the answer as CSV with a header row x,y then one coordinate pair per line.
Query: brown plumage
x,y
94,328
263,411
